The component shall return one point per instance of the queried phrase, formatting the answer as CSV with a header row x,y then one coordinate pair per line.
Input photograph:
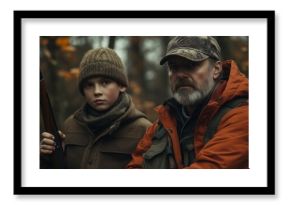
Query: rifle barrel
x,y
57,158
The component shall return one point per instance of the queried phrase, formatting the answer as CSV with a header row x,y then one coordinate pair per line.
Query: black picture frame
x,y
269,16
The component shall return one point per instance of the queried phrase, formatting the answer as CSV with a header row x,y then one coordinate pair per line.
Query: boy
x,y
106,129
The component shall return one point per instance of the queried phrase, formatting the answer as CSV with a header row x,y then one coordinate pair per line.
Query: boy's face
x,y
101,92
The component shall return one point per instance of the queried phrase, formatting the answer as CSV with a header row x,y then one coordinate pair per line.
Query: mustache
x,y
180,82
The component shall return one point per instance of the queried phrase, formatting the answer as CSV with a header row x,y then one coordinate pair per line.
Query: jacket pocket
x,y
156,156
157,147
75,145
116,153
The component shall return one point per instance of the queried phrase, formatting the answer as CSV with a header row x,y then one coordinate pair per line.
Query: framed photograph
x,y
54,44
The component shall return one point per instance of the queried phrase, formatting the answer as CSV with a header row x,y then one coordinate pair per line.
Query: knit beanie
x,y
102,62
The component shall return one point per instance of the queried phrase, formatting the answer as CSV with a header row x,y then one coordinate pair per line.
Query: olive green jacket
x,y
111,148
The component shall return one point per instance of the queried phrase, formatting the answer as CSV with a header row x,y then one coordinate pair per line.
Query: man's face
x,y
101,92
190,81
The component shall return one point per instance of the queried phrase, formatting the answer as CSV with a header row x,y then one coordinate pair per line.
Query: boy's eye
x,y
105,82
89,84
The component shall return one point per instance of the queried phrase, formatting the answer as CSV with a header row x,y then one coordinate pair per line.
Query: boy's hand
x,y
47,144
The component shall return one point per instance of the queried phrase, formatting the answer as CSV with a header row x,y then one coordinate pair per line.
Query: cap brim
x,y
190,54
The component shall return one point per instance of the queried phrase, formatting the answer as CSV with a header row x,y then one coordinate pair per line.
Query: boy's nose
x,y
97,89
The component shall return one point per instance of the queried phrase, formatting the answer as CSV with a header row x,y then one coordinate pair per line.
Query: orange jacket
x,y
229,146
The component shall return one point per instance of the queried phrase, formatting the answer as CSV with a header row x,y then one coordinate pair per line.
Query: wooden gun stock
x,y
57,160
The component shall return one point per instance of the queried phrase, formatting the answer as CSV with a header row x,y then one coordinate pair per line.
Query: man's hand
x,y
47,144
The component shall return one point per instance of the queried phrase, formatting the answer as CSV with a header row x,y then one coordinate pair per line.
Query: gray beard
x,y
190,96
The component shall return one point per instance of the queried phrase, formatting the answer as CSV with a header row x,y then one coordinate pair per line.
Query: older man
x,y
205,124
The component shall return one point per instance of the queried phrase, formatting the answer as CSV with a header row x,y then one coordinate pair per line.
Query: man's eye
x,y
172,68
182,67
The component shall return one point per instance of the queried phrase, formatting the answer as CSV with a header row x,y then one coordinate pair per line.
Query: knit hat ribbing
x,y
102,62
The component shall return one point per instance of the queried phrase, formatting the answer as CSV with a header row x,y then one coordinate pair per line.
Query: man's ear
x,y
123,89
217,70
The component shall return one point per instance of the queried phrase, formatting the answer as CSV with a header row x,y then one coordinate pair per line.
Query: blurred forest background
x,y
148,81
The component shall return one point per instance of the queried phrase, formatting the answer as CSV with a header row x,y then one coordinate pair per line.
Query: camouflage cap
x,y
193,48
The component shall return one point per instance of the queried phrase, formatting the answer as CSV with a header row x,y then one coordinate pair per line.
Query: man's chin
x,y
185,91
184,97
